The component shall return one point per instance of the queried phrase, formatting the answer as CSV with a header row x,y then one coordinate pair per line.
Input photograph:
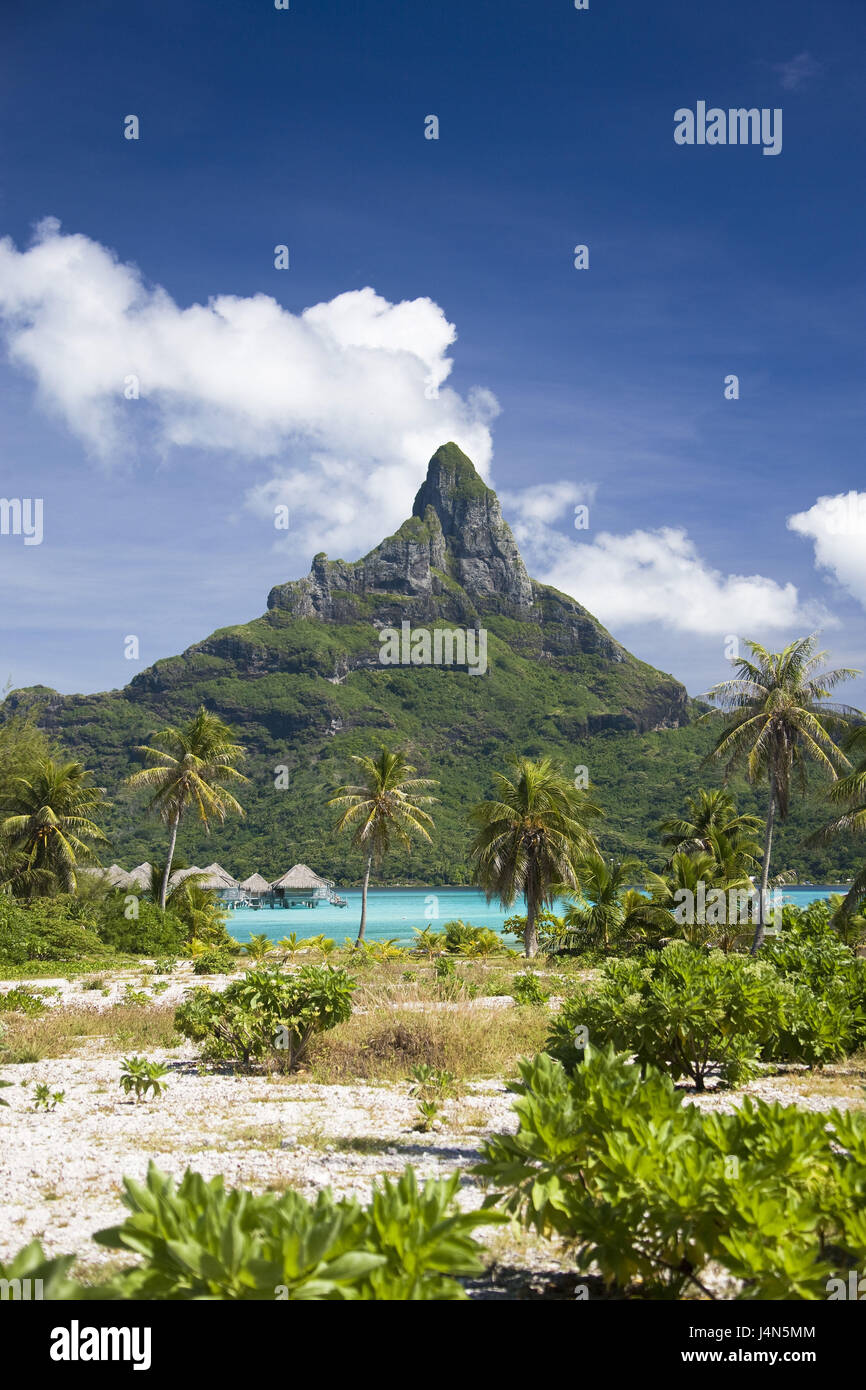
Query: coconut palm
x,y
604,908
387,805
258,948
737,856
188,767
778,719
682,891
51,827
707,812
200,911
849,794
529,838
428,942
289,945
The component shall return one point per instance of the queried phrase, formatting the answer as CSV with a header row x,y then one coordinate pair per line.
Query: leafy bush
x,y
462,939
138,1076
46,1099
14,933
49,929
553,934
138,997
22,1000
266,1016
694,1011
213,963
31,1263
654,1192
198,1241
528,989
686,1010
149,933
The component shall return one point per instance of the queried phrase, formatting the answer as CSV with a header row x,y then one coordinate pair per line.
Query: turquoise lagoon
x,y
394,913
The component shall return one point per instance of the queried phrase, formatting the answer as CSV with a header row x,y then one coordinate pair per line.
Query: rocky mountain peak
x,y
456,535
483,553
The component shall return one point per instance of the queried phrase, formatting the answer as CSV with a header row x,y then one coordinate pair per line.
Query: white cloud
x,y
797,71
837,528
659,577
347,398
546,502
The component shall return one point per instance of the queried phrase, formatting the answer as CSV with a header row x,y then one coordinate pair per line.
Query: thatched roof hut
x,y
115,876
301,878
255,884
218,876
211,876
139,877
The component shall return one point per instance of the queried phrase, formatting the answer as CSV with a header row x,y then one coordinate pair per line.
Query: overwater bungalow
x,y
216,880
301,887
256,890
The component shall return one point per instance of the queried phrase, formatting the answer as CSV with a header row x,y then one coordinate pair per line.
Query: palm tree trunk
x,y
163,890
758,939
530,935
363,926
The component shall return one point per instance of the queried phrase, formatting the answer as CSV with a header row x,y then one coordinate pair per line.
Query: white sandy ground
x,y
60,1172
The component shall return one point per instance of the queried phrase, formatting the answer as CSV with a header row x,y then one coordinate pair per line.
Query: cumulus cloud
x,y
652,577
837,528
345,400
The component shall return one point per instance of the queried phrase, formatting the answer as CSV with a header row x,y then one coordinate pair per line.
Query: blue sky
x,y
305,127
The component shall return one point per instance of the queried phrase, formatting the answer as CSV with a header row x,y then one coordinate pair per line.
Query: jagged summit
x,y
455,548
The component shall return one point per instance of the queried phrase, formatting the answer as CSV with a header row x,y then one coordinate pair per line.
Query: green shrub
x,y
138,1076
46,1099
694,1011
148,933
528,989
687,1010
266,1016
59,929
138,997
22,1000
553,935
213,963
32,1264
196,1240
654,1193
462,939
14,933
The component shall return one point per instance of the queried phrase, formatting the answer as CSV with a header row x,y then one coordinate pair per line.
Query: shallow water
x,y
395,912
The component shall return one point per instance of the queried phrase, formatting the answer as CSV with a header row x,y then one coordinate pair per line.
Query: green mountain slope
x,y
304,687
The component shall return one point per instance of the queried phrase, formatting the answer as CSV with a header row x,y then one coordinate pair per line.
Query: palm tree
x,y
737,857
200,910
778,718
188,767
678,890
529,838
50,828
258,948
604,906
386,805
849,793
705,813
